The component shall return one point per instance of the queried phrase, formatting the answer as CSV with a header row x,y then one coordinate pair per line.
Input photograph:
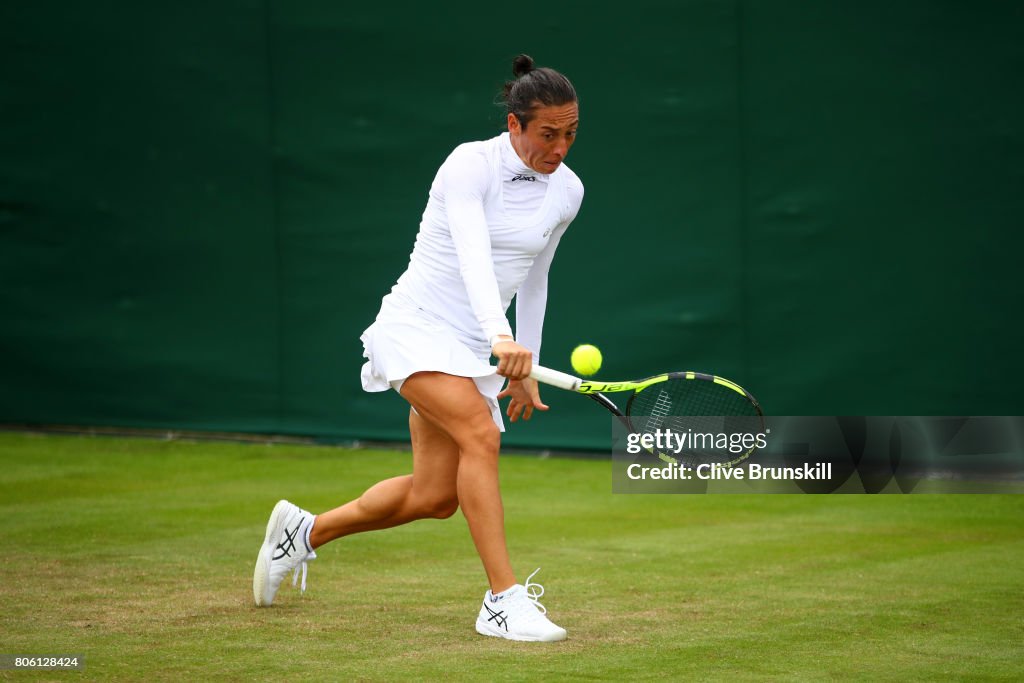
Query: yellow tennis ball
x,y
586,359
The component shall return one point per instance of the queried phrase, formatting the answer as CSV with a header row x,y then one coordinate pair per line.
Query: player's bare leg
x,y
454,406
430,491
455,460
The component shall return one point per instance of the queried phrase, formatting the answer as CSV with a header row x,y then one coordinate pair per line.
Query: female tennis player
x,y
495,214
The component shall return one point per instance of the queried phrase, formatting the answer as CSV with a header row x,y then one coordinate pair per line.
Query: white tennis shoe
x,y
284,550
517,615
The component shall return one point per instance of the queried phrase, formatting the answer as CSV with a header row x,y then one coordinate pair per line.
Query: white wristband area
x,y
501,338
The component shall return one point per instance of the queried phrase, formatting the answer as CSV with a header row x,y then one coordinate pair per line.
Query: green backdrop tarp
x,y
202,205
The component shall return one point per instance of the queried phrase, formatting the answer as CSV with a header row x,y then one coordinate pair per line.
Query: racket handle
x,y
555,378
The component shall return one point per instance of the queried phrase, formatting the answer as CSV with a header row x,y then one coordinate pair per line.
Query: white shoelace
x,y
295,574
534,591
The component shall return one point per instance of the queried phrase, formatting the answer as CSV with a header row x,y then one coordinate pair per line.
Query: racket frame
x,y
596,390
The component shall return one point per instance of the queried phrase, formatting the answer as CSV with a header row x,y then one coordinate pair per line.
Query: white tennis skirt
x,y
406,339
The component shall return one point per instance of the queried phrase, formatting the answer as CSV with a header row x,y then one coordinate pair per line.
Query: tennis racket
x,y
684,402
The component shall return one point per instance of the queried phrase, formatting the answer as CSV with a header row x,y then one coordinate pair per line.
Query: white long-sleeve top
x,y
488,233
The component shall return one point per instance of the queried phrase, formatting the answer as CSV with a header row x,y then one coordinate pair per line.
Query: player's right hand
x,y
514,360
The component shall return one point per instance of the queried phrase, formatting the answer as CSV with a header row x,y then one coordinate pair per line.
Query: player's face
x,y
548,136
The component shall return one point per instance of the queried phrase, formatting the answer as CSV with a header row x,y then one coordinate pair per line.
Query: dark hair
x,y
535,87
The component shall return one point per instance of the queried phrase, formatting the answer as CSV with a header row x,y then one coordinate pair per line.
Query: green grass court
x,y
138,554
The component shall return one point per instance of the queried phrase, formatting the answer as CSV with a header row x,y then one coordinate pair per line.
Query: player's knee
x,y
437,507
480,436
445,508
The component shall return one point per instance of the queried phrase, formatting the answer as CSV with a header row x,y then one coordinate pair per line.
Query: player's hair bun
x,y
544,88
522,65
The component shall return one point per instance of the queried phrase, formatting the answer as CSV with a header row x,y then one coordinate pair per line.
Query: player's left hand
x,y
525,398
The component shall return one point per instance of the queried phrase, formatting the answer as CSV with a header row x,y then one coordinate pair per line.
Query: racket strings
x,y
694,408
692,398
660,409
